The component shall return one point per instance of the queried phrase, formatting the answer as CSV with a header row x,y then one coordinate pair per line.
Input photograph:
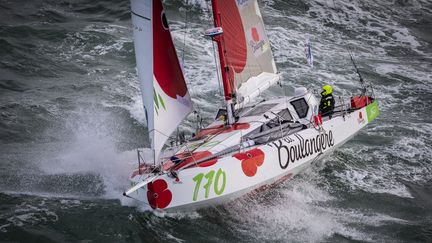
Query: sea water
x,y
71,119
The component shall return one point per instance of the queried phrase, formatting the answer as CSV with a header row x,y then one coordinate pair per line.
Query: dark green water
x,y
71,117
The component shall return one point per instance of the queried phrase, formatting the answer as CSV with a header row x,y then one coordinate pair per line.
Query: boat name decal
x,y
219,178
261,45
304,149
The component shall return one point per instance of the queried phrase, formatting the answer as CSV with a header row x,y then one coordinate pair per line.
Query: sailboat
x,y
250,144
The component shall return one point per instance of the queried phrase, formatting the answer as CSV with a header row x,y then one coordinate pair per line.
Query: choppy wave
x,y
71,117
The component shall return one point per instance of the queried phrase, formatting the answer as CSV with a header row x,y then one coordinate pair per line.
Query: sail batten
x,y
164,92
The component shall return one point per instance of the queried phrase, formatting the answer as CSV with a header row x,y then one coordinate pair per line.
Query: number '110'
x,y
220,175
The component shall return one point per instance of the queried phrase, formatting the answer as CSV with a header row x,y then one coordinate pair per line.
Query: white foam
x,y
103,49
420,74
93,150
300,211
79,47
26,213
3,228
372,182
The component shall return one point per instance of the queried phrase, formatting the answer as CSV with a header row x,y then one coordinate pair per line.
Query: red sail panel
x,y
232,44
245,48
165,62
165,96
234,37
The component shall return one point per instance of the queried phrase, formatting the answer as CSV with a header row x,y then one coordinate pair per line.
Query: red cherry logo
x,y
251,160
255,35
158,194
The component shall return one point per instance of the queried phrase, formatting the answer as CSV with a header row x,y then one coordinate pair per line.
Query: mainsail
x,y
165,95
244,49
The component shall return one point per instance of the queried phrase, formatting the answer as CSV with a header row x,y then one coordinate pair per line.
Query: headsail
x,y
247,52
165,95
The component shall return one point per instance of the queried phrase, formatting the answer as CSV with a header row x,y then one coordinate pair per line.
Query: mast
x,y
246,60
227,84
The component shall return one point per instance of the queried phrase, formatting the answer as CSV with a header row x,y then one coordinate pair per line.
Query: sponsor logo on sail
x,y
256,42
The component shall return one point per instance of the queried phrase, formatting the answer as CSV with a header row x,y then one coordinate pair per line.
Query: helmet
x,y
327,89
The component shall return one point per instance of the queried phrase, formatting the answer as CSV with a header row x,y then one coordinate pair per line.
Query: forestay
x,y
165,95
248,54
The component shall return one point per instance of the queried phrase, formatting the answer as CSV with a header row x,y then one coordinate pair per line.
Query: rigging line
x,y
228,65
349,48
357,71
184,36
191,151
214,52
197,109
217,68
217,65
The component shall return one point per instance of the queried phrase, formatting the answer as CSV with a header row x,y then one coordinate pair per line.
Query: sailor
x,y
327,103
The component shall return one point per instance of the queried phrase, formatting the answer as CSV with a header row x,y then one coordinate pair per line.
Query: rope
x,y
349,48
214,53
217,69
197,109
184,36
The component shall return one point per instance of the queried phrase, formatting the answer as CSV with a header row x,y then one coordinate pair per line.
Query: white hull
x,y
264,143
249,168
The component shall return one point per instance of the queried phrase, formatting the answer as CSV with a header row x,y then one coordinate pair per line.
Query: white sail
x,y
165,95
248,54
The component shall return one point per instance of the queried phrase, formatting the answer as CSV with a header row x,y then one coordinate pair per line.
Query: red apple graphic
x,y
158,194
250,161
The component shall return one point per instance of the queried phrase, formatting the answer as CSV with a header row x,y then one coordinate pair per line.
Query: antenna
x,y
362,82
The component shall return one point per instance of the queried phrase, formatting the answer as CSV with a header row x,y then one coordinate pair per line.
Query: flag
x,y
308,52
